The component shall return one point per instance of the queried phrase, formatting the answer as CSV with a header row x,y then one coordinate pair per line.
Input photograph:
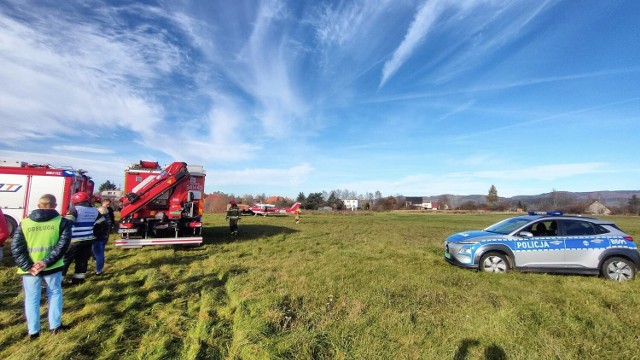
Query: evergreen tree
x,y
492,197
107,185
314,201
522,205
335,202
634,205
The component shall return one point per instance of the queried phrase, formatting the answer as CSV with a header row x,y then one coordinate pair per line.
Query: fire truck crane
x,y
162,206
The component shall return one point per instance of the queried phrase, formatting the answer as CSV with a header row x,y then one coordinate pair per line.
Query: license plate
x,y
127,231
447,255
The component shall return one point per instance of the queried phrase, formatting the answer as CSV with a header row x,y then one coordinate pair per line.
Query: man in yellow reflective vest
x,y
38,248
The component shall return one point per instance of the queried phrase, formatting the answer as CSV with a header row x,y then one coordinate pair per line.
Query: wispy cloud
x,y
261,176
541,172
67,74
425,18
481,37
511,20
84,149
507,85
475,182
565,114
339,25
100,170
462,108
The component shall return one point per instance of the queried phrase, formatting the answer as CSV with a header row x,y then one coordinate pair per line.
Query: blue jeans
x,y
98,253
32,289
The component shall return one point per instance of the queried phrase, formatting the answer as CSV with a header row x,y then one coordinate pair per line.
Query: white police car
x,y
547,242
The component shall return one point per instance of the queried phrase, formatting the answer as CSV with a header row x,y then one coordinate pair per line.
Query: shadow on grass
x,y
493,352
221,234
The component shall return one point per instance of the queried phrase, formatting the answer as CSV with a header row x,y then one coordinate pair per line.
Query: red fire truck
x,y
162,206
22,184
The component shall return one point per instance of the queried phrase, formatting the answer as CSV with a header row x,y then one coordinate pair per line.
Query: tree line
x,y
333,200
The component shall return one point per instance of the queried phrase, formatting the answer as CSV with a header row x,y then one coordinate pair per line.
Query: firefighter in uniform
x,y
84,217
38,247
233,215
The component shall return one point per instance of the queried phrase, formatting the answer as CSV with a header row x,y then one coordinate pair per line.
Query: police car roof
x,y
534,215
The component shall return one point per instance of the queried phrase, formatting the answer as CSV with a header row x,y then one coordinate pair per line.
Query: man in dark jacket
x,y
38,247
111,214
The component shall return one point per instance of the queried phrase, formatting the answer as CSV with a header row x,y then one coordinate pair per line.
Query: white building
x,y
111,193
426,205
351,204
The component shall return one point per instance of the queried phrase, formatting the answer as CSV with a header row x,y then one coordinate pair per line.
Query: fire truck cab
x,y
22,184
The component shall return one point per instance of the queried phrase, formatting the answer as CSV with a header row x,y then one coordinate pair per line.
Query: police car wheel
x,y
618,269
494,262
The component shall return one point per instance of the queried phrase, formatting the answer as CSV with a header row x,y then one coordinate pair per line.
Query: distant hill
x,y
609,198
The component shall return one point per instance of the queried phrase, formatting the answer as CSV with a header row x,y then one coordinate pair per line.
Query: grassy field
x,y
366,286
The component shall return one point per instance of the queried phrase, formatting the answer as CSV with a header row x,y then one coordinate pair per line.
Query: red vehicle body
x,y
162,206
22,184
269,209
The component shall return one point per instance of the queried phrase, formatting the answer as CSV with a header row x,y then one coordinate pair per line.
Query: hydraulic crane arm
x,y
169,178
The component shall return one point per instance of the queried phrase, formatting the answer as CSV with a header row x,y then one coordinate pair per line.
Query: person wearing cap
x,y
233,215
38,246
84,217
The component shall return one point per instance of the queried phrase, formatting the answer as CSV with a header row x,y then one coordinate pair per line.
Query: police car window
x,y
578,228
543,228
600,229
507,226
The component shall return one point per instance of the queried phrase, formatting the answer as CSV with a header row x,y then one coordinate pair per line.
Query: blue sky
x,y
281,97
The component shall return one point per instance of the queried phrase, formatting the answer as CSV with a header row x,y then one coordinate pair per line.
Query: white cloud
x,y
67,76
485,35
261,176
537,178
346,22
87,149
541,172
422,23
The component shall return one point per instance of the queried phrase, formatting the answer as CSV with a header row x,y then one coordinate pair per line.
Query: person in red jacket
x,y
4,232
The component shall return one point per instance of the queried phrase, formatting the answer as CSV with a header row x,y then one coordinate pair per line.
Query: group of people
x,y
46,244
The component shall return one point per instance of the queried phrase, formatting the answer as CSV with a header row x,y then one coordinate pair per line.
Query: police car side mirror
x,y
526,234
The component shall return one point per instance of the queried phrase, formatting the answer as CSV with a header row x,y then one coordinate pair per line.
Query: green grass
x,y
365,286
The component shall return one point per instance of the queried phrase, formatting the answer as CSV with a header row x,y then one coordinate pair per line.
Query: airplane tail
x,y
294,207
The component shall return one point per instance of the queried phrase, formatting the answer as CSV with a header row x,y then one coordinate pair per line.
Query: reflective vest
x,y
82,229
233,213
41,238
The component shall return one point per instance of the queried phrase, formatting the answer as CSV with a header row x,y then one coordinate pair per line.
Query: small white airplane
x,y
270,209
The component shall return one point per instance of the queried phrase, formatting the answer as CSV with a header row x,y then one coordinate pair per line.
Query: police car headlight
x,y
464,250
468,242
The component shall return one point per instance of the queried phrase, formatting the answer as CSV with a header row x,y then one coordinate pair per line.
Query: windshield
x,y
508,226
